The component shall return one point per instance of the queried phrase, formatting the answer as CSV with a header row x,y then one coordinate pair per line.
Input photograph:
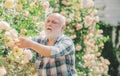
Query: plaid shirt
x,y
62,60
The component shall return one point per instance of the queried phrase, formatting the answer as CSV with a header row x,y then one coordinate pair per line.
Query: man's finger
x,y
21,38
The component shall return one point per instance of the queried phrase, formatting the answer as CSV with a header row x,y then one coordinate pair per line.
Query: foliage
x,y
110,52
25,16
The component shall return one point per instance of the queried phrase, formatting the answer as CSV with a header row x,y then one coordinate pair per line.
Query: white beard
x,y
52,34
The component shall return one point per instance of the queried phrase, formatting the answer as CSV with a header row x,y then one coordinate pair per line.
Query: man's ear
x,y
63,27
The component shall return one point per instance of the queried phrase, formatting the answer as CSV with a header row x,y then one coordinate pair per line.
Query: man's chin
x,y
49,30
51,36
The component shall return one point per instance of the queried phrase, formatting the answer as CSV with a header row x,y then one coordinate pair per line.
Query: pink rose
x,y
4,25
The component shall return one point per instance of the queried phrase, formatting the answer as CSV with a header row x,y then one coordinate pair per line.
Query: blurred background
x,y
93,25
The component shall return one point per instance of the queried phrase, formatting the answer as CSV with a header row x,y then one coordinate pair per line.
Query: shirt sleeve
x,y
36,39
36,56
64,47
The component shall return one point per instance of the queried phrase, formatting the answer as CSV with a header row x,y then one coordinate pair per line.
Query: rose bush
x,y
27,17
19,18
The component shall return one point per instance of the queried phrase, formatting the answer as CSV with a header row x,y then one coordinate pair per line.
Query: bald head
x,y
60,17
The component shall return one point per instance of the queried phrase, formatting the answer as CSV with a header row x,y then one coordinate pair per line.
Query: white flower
x,y
4,25
73,36
9,3
88,21
71,30
19,6
89,57
88,44
40,25
45,5
94,12
27,56
17,51
90,3
79,26
66,3
34,4
12,34
97,70
64,13
26,13
99,31
23,31
78,47
88,64
68,21
97,19
106,62
78,19
10,44
72,15
2,71
90,35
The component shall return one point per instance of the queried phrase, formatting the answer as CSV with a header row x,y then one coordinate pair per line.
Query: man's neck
x,y
51,41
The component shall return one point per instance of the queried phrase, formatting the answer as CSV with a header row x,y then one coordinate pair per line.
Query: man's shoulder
x,y
65,37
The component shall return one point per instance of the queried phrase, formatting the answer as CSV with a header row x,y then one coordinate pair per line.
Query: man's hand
x,y
24,42
43,50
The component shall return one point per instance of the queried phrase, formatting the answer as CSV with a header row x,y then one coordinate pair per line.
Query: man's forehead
x,y
55,17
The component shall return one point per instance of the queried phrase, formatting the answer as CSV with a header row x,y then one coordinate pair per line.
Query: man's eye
x,y
54,22
48,21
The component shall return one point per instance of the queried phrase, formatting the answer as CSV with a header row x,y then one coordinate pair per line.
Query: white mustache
x,y
49,28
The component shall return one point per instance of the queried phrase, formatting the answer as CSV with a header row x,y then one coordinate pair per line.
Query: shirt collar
x,y
58,39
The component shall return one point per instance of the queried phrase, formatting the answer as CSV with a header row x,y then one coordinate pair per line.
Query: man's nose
x,y
49,24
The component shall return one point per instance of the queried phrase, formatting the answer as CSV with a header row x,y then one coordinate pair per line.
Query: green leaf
x,y
0,41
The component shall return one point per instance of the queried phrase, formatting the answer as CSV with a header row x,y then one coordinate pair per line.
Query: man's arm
x,y
39,48
62,48
43,50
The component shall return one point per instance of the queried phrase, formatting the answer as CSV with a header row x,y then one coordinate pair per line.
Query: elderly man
x,y
55,49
